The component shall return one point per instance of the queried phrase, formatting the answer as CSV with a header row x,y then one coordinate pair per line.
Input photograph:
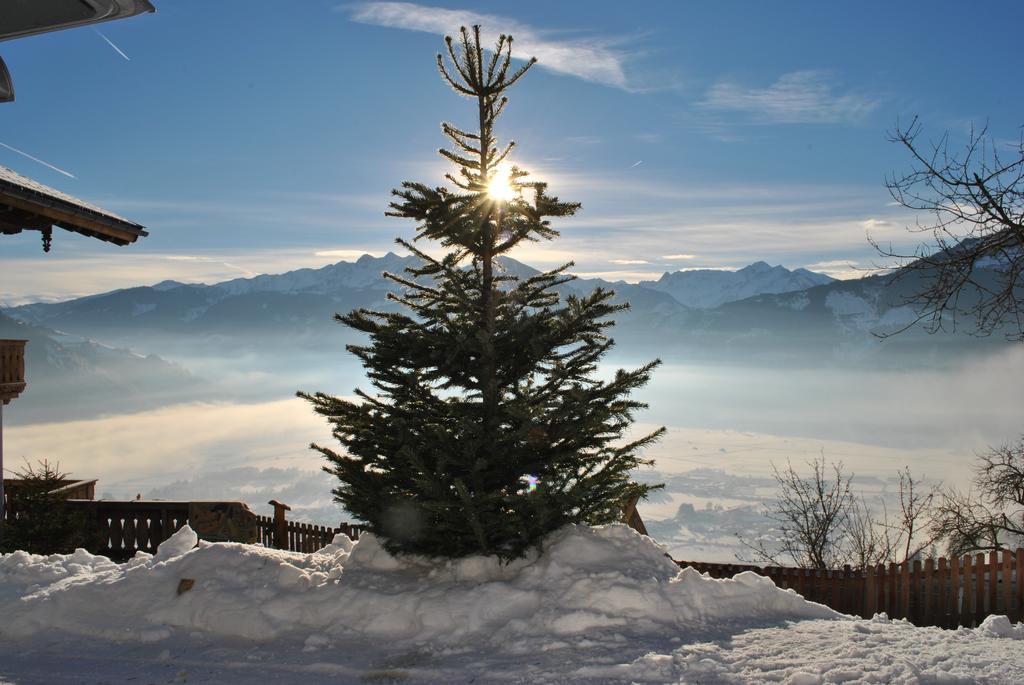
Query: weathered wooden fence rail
x,y
118,530
128,527
944,592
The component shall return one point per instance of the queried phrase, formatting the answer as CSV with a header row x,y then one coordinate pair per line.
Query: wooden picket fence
x,y
119,529
943,592
302,537
126,527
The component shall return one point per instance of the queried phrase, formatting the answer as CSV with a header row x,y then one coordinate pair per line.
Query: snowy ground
x,y
601,605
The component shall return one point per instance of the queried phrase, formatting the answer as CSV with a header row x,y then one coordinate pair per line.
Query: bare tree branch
x,y
973,264
809,516
991,515
819,523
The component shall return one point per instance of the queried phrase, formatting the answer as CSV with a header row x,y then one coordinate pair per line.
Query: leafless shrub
x,y
867,543
910,533
809,516
820,523
990,516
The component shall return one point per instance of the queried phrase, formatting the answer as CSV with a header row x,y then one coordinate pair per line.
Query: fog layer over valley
x,y
746,383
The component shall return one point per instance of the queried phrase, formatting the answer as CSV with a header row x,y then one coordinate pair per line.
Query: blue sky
x,y
262,136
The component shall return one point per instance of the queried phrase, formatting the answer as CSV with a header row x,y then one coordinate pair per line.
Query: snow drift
x,y
606,579
598,605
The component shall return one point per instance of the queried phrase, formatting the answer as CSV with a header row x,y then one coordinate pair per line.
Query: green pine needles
x,y
488,428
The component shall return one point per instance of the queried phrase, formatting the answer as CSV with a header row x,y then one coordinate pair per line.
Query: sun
x,y
500,186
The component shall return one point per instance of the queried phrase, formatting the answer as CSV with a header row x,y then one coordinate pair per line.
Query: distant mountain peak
x,y
369,258
710,288
167,285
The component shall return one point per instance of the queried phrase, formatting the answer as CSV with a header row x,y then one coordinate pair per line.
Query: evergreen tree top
x,y
488,190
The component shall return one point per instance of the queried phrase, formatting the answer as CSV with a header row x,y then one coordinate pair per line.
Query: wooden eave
x,y
31,206
40,16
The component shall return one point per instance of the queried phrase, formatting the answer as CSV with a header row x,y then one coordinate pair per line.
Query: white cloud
x,y
711,268
211,260
346,255
843,269
591,59
628,276
140,451
799,97
90,270
628,261
675,257
831,263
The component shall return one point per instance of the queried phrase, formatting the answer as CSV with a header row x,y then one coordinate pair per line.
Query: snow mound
x,y
176,545
1000,626
607,578
22,573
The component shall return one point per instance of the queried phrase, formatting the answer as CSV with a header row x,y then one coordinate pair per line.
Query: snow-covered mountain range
x,y
362,283
710,288
330,280
758,314
293,310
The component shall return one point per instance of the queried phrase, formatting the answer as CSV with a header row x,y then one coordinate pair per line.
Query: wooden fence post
x,y
966,590
926,604
846,591
954,608
941,596
979,597
1019,607
993,582
914,594
280,524
1007,583
892,601
905,590
880,588
869,607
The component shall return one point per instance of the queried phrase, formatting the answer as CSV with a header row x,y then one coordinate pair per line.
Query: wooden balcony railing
x,y
12,369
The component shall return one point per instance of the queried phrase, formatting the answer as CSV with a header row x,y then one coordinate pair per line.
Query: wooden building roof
x,y
28,205
40,16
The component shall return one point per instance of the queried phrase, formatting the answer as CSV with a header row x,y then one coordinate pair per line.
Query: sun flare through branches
x,y
501,186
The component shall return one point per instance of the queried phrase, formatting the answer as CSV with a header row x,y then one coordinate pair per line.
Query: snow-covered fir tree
x,y
488,427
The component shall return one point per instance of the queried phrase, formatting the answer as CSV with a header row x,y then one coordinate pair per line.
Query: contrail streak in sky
x,y
637,164
111,44
36,159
